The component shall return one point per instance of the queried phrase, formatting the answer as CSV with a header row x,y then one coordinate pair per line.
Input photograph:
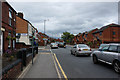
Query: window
x,y
13,44
113,48
86,35
113,33
75,46
10,17
10,21
9,42
100,33
119,49
105,48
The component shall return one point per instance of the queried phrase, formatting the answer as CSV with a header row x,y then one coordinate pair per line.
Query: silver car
x,y
53,45
109,54
81,49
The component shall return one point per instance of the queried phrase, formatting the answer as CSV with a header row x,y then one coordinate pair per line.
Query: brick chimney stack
x,y
20,14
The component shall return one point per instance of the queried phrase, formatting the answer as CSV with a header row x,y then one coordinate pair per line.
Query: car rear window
x,y
83,46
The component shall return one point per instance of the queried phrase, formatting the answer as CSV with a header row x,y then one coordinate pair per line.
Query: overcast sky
x,y
74,17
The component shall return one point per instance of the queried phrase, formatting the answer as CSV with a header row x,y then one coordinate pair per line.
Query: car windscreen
x,y
53,43
61,43
83,46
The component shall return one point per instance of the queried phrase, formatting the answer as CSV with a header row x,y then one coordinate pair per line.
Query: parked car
x,y
54,45
62,44
81,49
109,54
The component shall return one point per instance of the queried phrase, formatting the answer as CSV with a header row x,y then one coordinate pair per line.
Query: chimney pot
x,y
20,14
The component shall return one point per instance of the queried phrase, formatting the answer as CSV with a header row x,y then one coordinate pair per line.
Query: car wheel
x,y
95,59
76,54
71,52
116,67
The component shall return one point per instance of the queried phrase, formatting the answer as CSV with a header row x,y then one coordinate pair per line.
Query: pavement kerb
x,y
25,70
57,62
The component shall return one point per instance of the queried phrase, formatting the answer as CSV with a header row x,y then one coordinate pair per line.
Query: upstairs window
x,y
10,13
113,33
10,17
100,33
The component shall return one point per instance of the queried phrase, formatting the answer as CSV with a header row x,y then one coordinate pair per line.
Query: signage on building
x,y
45,39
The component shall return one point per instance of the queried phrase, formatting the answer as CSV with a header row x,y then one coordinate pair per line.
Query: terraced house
x,y
25,30
8,27
108,34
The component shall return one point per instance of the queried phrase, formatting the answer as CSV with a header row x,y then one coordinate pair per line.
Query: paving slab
x,y
43,67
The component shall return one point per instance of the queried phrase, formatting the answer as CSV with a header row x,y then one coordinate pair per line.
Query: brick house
x,y
108,34
25,29
8,27
41,37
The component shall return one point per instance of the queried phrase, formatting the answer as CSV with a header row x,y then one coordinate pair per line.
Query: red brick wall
x,y
5,24
107,35
22,45
21,25
12,73
90,36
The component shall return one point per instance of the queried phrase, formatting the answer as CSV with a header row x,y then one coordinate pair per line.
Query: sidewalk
x,y
43,67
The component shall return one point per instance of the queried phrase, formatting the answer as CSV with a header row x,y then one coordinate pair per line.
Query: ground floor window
x,y
13,44
9,41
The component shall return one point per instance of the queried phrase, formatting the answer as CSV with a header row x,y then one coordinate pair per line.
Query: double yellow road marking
x,y
60,67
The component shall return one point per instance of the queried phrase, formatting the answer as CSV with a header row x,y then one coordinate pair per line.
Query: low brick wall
x,y
12,71
28,59
21,45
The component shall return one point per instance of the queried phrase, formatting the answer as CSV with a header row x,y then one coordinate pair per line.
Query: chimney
x,y
20,14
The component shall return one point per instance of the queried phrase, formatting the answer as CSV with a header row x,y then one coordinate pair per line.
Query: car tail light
x,y
90,49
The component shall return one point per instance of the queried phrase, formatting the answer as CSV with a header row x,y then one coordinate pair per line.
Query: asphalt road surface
x,y
82,66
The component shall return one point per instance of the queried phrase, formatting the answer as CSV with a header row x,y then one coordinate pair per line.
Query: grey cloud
x,y
69,16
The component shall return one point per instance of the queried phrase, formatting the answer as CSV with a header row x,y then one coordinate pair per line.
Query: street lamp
x,y
44,30
32,45
44,24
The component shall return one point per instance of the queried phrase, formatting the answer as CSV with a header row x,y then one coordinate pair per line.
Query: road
x,y
82,66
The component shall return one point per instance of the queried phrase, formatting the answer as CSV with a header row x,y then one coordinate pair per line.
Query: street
x,y
59,63
82,66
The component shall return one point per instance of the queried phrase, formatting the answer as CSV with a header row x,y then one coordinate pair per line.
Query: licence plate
x,y
85,49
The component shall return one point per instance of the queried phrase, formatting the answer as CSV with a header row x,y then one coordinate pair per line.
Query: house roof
x,y
105,27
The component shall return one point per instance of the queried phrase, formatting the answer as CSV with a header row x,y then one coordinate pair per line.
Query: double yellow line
x,y
60,67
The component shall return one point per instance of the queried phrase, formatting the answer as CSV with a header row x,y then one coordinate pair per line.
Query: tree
x,y
67,37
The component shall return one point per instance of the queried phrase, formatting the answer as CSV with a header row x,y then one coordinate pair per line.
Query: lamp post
x,y
44,30
32,45
44,24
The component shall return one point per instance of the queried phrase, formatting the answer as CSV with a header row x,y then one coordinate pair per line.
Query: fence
x,y
24,56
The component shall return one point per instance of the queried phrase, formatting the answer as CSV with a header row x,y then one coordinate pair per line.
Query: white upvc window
x,y
9,42
10,17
